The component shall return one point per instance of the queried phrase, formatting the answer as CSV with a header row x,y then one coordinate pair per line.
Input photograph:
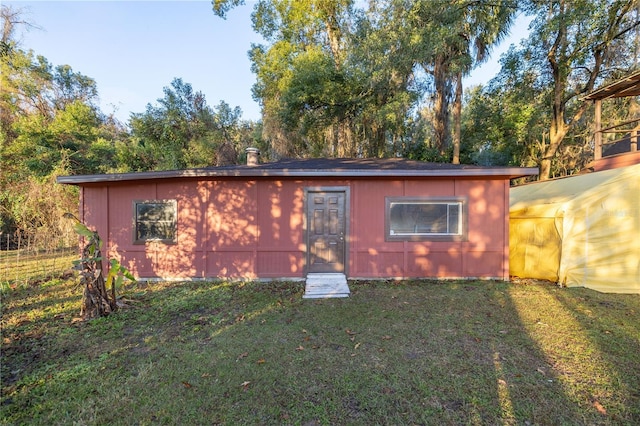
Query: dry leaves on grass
x,y
352,334
599,407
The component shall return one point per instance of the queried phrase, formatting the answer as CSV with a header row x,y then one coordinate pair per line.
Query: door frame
x,y
346,190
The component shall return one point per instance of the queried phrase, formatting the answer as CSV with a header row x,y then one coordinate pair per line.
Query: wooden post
x,y
597,135
634,139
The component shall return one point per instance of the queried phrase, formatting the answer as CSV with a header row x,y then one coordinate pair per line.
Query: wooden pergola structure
x,y
628,86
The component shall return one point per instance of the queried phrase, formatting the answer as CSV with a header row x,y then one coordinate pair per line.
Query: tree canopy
x,y
344,78
334,78
50,125
572,47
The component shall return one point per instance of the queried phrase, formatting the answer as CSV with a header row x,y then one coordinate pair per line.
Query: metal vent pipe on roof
x,y
252,156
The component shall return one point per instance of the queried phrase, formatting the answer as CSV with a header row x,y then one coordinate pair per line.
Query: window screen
x,y
155,221
424,219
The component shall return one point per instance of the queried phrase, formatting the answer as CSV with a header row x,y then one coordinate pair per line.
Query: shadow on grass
x,y
215,353
529,389
610,324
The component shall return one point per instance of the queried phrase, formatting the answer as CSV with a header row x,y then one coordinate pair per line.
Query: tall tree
x,y
573,42
13,62
330,79
181,130
342,78
509,120
52,116
302,81
167,128
503,123
484,26
453,37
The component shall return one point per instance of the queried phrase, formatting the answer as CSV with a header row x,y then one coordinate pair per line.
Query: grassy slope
x,y
411,353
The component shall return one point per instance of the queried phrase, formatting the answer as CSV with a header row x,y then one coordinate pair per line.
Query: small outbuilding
x,y
361,218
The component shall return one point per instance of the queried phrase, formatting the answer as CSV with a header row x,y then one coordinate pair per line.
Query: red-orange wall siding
x,y
238,228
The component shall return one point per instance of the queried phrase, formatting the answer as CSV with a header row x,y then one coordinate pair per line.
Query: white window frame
x,y
458,203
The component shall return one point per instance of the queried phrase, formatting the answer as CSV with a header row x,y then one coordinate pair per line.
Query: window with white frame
x,y
155,220
425,219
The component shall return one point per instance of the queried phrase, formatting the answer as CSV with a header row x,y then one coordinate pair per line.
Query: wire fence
x,y
27,258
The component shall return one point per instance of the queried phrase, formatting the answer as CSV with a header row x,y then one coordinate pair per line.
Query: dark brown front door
x,y
326,229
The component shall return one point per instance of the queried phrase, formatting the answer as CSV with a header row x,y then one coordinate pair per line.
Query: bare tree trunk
x,y
555,139
333,35
346,145
95,299
441,104
457,117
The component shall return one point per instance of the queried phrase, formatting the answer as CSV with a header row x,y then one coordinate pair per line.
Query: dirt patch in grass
x,y
419,352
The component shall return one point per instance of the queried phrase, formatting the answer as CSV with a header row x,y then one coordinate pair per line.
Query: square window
x,y
425,219
155,220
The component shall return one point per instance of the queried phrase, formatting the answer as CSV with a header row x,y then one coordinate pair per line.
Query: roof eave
x,y
506,172
627,86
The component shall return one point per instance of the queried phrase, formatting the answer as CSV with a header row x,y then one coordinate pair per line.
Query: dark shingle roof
x,y
318,168
345,164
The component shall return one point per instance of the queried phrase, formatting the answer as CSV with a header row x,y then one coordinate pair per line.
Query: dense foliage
x,y
51,125
534,106
334,78
385,78
338,80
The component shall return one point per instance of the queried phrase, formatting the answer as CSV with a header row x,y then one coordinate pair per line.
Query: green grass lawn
x,y
419,352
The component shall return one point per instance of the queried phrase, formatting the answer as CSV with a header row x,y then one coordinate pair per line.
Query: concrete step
x,y
324,286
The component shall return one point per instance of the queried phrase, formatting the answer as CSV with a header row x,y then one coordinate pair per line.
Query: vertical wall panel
x,y
486,251
280,247
505,245
96,215
438,187
121,214
485,206
231,216
280,264
376,264
483,264
368,224
442,264
185,256
231,264
281,213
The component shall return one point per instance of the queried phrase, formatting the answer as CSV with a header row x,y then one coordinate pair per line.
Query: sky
x,y
133,49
